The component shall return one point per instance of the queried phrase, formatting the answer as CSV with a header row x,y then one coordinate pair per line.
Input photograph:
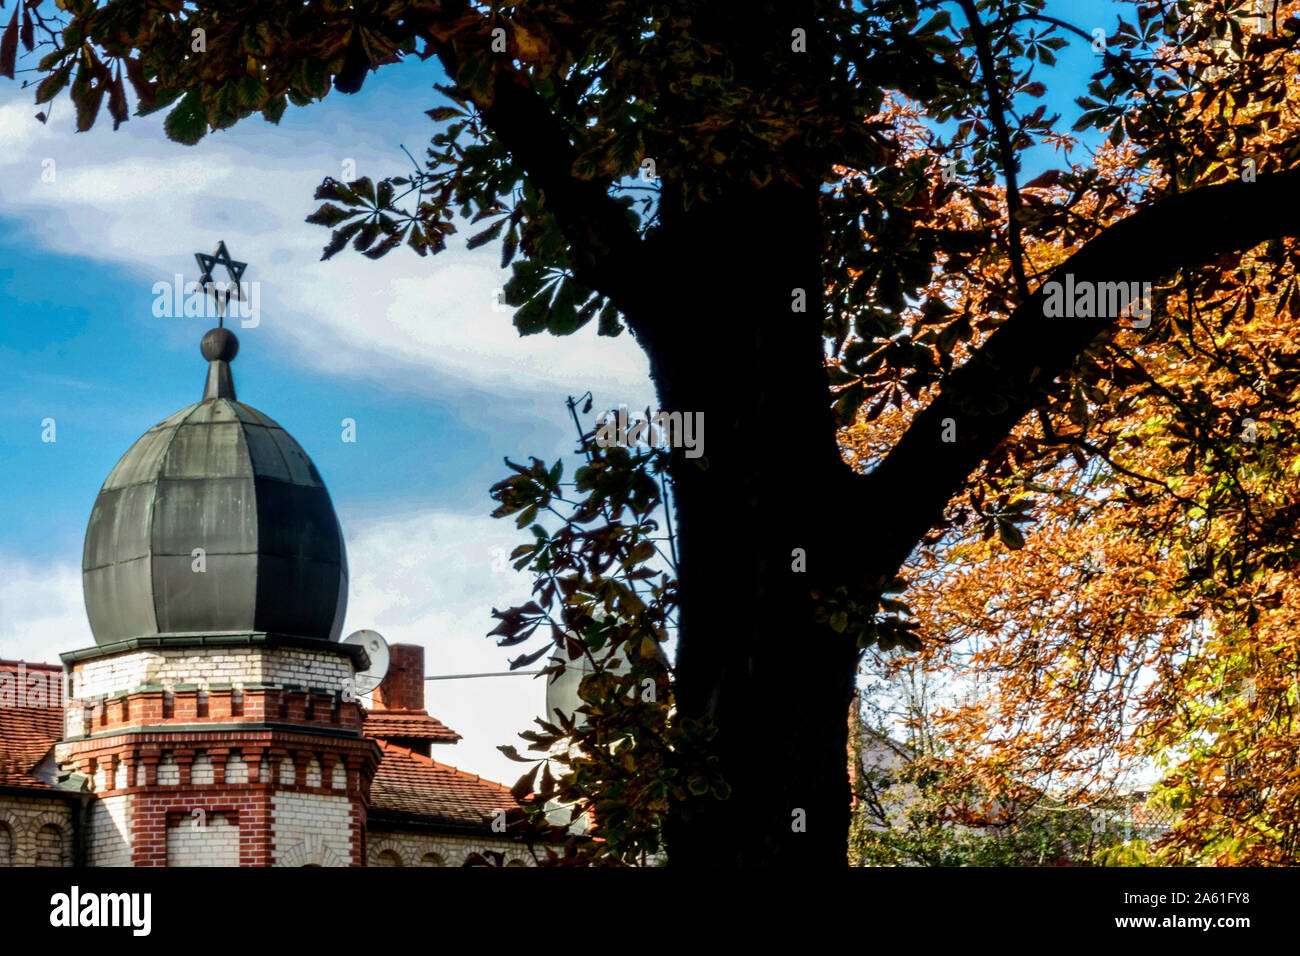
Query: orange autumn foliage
x,y
1117,597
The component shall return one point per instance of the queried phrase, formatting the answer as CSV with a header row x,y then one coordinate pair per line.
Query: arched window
x,y
387,858
432,859
49,846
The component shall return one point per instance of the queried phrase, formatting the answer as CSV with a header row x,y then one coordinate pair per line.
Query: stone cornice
x,y
356,652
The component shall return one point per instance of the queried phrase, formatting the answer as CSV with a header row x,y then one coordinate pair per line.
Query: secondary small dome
x,y
222,477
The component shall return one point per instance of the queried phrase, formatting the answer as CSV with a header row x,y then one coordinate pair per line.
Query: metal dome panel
x,y
141,461
251,416
218,516
223,477
300,467
220,599
207,451
265,454
123,514
220,412
121,593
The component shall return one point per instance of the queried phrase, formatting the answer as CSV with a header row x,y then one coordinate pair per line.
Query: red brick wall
x,y
403,687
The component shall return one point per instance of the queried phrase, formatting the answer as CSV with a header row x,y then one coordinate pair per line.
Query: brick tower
x,y
212,718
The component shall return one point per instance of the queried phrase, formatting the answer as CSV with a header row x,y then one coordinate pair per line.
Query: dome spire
x,y
219,345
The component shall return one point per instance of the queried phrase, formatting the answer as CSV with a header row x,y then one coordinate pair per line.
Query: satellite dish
x,y
377,650
562,689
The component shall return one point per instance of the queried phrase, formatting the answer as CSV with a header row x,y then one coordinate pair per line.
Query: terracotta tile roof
x,y
409,724
27,733
412,785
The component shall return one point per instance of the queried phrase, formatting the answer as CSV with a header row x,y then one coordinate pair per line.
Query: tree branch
x,y
1006,151
604,245
1011,373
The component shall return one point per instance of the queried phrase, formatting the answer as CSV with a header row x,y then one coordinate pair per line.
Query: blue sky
x,y
440,386
437,381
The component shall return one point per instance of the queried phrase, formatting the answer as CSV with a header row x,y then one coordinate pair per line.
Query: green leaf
x,y
53,84
188,122
162,99
365,188
563,317
940,21
340,239
88,107
329,215
250,92
486,236
441,113
312,77
530,318
608,323
1011,535
525,785
9,45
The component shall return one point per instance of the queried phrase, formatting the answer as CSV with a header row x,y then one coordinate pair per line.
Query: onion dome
x,y
214,522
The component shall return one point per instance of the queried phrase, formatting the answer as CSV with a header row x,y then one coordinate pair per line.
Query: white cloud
x,y
41,610
427,326
431,578
127,183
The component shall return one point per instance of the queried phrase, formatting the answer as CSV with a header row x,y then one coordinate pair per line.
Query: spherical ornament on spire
x,y
219,345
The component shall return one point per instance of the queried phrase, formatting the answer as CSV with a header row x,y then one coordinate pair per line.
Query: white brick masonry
x,y
201,770
108,841
169,771
396,848
311,828
35,831
215,843
236,769
208,665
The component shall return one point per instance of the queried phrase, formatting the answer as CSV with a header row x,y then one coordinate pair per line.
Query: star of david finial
x,y
221,291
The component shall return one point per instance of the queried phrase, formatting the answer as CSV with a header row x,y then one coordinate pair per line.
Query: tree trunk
x,y
733,343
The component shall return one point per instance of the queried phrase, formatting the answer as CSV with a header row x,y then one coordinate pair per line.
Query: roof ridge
x,y
31,664
386,744
406,751
419,724
477,778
